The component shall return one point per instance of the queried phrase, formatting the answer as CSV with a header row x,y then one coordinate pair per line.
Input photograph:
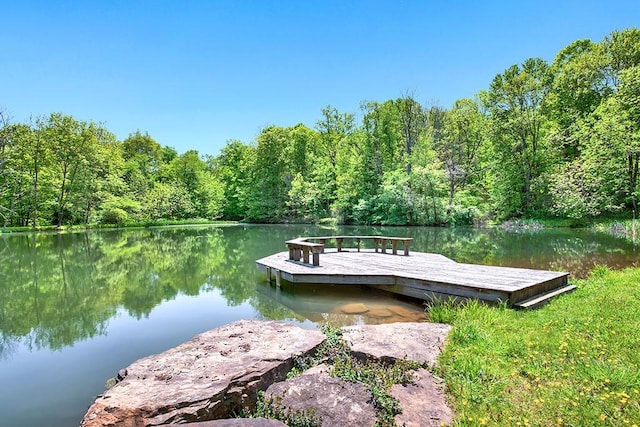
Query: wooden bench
x,y
380,242
301,248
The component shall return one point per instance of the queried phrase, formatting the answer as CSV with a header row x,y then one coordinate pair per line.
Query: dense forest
x,y
543,140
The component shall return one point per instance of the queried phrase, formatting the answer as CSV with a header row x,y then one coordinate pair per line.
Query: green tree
x,y
304,196
142,155
383,144
335,132
623,51
169,201
514,103
578,86
413,122
271,180
205,191
459,147
233,169
10,176
101,181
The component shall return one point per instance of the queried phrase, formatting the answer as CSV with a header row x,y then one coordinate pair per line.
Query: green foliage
x,y
514,102
543,140
572,362
115,216
462,215
377,376
442,311
272,409
233,170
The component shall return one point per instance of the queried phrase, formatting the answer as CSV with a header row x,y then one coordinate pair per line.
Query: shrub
x,y
115,216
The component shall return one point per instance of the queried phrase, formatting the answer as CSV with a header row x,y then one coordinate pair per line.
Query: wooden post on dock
x,y
406,243
278,277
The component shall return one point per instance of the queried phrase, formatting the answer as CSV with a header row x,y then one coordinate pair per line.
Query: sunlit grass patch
x,y
575,361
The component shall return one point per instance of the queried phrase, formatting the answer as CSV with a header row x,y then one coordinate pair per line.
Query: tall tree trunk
x,y
12,205
633,158
35,194
61,198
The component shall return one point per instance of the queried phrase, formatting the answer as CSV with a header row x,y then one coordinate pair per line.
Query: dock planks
x,y
420,275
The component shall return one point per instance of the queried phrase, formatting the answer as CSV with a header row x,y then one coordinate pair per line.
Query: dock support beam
x,y
274,273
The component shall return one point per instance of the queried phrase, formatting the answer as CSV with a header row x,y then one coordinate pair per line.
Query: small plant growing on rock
x,y
332,349
377,376
273,409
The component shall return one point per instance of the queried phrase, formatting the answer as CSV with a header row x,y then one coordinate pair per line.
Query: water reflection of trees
x,y
50,295
56,289
574,251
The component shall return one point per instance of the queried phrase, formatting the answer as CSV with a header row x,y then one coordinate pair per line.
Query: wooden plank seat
x,y
379,242
300,248
382,241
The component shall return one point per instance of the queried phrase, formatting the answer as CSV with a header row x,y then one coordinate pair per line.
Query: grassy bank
x,y
574,362
626,228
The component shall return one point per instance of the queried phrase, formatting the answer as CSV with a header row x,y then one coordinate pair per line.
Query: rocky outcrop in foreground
x,y
219,373
206,378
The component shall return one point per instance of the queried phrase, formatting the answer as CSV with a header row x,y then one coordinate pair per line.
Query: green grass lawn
x,y
573,362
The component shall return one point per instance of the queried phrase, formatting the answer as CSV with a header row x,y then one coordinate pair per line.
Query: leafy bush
x,y
463,215
115,216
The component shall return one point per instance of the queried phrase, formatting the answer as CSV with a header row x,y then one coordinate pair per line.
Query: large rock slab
x,y
207,378
421,342
336,402
422,402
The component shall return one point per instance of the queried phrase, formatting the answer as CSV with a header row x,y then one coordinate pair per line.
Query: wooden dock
x,y
420,275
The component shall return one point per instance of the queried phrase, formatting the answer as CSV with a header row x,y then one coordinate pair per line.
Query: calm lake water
x,y
75,308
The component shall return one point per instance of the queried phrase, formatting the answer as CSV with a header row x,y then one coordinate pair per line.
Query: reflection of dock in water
x,y
344,305
417,275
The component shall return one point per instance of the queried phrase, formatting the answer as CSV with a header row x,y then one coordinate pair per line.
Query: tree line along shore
x,y
543,140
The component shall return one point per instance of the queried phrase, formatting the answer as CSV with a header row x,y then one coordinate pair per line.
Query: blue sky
x,y
195,74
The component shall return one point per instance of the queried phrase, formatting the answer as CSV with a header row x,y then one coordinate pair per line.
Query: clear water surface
x,y
75,308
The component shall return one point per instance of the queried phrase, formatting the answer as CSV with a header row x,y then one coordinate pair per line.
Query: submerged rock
x,y
215,373
354,308
403,314
380,312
